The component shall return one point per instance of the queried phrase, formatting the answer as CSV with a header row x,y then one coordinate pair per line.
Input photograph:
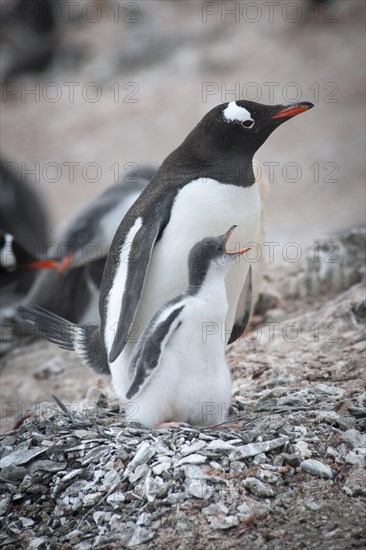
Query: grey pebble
x,y
140,535
5,501
13,473
219,446
253,449
224,522
21,456
356,483
197,488
317,468
37,543
259,488
191,459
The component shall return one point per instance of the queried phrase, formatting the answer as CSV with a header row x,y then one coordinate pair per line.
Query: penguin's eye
x,y
249,123
219,248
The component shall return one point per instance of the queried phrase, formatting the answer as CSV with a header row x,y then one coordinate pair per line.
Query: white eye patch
x,y
235,113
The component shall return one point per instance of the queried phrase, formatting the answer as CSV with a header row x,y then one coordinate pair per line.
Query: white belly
x,y
192,384
203,208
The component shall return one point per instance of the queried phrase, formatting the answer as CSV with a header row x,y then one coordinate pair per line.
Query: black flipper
x,y
244,309
151,347
83,339
141,251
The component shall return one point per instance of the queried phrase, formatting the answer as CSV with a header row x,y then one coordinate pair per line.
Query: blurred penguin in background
x,y
24,230
71,288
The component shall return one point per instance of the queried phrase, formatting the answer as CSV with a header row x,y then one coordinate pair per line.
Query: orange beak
x,y
65,263
293,110
41,264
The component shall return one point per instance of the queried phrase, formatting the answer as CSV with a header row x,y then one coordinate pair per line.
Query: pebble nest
x,y
90,481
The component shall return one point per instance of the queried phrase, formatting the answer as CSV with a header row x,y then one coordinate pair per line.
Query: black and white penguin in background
x,y
24,229
71,288
200,189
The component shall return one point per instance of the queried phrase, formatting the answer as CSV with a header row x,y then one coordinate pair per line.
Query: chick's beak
x,y
234,252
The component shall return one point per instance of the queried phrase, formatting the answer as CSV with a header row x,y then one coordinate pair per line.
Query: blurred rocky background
x,y
124,82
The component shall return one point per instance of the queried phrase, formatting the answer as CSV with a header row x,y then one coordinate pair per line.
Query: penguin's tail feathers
x,y
84,340
53,328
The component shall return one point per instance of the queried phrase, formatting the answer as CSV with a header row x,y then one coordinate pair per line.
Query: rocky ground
x,y
286,472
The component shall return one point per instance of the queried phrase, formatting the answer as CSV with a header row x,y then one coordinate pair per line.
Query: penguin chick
x,y
179,371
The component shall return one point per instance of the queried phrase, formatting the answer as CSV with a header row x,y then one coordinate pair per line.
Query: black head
x,y
211,253
231,133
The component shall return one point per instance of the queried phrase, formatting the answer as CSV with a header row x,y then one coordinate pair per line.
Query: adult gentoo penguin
x,y
200,189
178,370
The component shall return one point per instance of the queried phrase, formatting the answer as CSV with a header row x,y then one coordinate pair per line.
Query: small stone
x,y
258,488
291,459
13,473
249,436
21,456
54,366
26,522
36,543
143,455
101,517
191,459
312,505
267,476
237,466
330,390
197,488
5,501
260,459
218,508
140,471
331,452
302,448
193,448
92,499
245,510
356,483
144,519
253,449
140,535
355,438
116,498
163,465
224,522
219,446
154,488
356,457
46,466
317,468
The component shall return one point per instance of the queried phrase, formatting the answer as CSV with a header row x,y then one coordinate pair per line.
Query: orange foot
x,y
167,425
